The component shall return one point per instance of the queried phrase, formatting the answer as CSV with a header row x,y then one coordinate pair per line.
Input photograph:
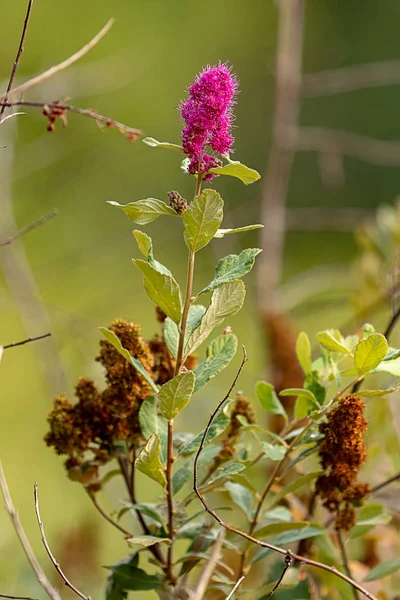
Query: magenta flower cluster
x,y
208,116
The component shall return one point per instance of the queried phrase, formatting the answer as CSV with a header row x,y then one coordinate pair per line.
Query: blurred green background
x,y
75,272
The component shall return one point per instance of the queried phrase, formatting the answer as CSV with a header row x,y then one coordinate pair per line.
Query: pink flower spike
x,y
208,115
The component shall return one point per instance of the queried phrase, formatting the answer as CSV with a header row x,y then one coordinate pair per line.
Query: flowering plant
x,y
315,456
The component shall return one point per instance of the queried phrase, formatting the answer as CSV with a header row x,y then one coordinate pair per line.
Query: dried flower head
x,y
90,431
208,116
342,454
99,420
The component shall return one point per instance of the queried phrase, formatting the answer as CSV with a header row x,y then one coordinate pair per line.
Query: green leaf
x,y
144,541
115,341
302,408
312,383
219,354
113,592
241,496
171,331
226,300
237,169
148,461
390,366
392,354
329,341
145,246
202,219
303,351
300,481
377,393
300,392
145,211
370,352
370,515
148,419
273,451
180,477
227,470
144,243
223,232
306,401
149,141
234,266
175,394
127,577
217,427
383,569
150,511
268,399
162,289
275,528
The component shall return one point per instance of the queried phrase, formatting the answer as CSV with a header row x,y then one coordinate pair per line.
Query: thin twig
x,y
239,581
40,575
246,536
107,517
383,484
345,559
61,66
349,79
391,324
18,57
29,227
131,132
208,570
27,341
288,562
49,552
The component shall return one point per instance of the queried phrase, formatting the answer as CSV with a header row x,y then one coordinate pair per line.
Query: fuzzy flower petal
x,y
208,115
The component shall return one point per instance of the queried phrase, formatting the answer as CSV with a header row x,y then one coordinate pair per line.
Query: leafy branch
x,y
250,538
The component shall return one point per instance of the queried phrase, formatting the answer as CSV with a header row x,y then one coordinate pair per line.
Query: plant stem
x,y
185,314
170,437
129,479
212,513
346,562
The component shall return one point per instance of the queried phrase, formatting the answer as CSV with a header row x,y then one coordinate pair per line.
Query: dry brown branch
x,y
27,341
205,576
40,575
130,132
246,536
49,552
18,57
29,227
349,79
61,66
383,484
385,153
287,91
